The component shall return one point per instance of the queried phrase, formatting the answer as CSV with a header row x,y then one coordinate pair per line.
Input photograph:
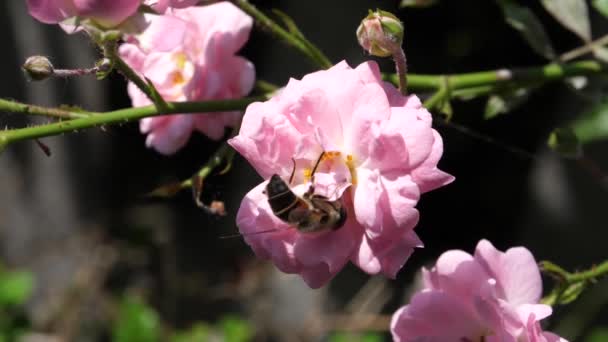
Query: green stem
x,y
455,83
225,152
307,48
591,274
146,87
570,283
401,68
547,73
121,116
17,107
436,99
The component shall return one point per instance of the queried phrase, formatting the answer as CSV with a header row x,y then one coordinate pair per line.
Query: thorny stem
x,y
567,280
74,72
118,116
23,108
308,49
146,87
476,82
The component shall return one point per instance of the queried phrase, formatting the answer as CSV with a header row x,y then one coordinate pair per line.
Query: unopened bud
x,y
380,33
38,68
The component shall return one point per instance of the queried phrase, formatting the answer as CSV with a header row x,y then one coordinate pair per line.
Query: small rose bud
x,y
380,33
38,68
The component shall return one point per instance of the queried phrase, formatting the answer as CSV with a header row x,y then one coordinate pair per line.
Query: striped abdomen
x,y
280,198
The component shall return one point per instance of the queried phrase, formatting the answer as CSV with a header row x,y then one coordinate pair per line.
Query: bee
x,y
309,213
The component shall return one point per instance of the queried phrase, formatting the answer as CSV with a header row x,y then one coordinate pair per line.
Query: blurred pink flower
x,y
489,296
105,12
161,6
381,155
189,55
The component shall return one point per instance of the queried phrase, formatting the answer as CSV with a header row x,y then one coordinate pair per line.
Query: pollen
x,y
177,78
307,174
180,60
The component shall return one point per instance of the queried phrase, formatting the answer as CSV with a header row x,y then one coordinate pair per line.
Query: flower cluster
x,y
107,13
380,155
189,55
488,296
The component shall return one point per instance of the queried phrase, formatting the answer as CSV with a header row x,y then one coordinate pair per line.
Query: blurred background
x,y
86,257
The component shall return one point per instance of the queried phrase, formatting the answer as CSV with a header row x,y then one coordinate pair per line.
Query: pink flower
x,y
105,12
161,6
189,55
489,296
381,154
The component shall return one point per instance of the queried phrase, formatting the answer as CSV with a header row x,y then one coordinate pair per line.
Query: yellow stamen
x,y
180,60
177,78
307,174
350,163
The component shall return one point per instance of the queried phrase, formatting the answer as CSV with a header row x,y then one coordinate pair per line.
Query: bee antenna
x,y
314,169
293,170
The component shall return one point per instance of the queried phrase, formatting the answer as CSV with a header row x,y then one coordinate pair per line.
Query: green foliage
x,y
598,335
15,287
592,125
236,329
350,337
136,322
572,14
198,332
601,6
529,26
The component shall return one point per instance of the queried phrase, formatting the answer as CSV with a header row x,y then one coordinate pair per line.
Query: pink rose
x,y
106,12
381,154
489,296
189,55
161,6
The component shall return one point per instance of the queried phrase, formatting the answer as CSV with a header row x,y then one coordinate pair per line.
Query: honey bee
x,y
309,213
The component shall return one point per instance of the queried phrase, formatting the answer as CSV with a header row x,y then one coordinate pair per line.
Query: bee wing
x,y
298,214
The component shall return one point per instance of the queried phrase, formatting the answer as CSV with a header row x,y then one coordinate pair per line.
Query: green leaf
x,y
598,335
601,6
236,329
136,322
198,332
15,288
572,14
525,21
418,3
592,125
503,103
565,142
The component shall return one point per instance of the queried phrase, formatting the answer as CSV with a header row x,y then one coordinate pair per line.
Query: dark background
x,y
79,219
